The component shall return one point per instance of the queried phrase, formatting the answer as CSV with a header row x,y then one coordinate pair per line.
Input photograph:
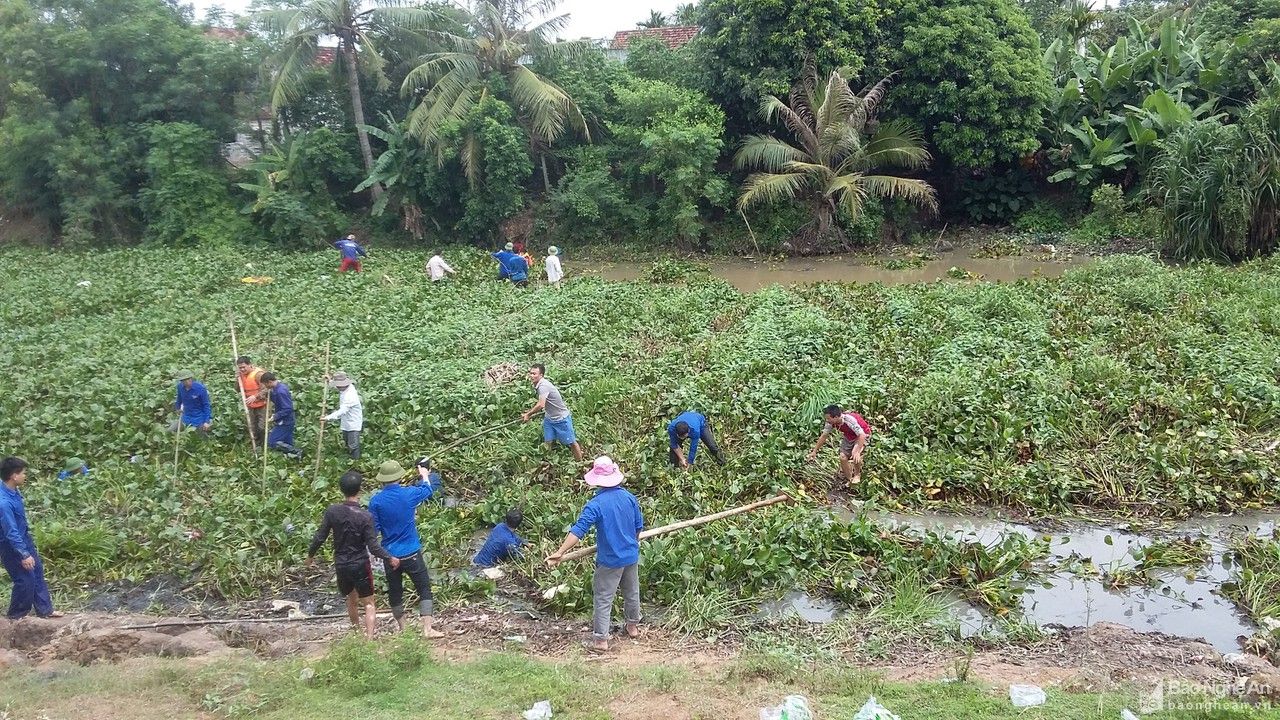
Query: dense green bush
x,y
185,200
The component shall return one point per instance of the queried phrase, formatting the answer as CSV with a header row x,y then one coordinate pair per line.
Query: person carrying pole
x,y
192,404
394,509
282,417
615,515
557,421
249,379
694,427
351,252
350,411
856,432
354,540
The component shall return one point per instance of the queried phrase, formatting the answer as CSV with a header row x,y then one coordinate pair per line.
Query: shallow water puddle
x,y
1181,601
750,275
802,605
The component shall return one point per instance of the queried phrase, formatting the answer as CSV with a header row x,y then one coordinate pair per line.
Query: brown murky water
x,y
749,275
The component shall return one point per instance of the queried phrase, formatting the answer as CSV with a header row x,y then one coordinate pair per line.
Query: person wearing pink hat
x,y
615,515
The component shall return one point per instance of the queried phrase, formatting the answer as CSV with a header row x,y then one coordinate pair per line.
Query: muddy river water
x,y
750,275
1184,601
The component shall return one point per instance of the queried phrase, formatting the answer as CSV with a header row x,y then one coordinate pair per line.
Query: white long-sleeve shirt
x,y
437,267
554,271
350,410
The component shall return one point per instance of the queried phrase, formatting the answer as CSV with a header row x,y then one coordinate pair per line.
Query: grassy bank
x,y
405,682
1127,388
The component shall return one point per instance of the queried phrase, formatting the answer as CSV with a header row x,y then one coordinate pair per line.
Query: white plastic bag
x,y
793,707
1127,714
1026,695
541,710
872,710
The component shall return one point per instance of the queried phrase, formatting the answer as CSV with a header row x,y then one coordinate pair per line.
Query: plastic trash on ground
x,y
1127,714
872,710
541,710
793,707
1026,695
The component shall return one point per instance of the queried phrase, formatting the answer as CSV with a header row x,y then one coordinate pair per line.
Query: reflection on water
x,y
750,275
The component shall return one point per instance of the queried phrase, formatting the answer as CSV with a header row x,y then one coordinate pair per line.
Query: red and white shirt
x,y
852,425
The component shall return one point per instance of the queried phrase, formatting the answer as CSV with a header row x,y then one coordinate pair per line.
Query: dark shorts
x,y
357,578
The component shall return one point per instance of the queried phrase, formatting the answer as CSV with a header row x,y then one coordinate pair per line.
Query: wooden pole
x,y
482,433
228,621
177,443
655,532
235,355
749,230
324,408
265,455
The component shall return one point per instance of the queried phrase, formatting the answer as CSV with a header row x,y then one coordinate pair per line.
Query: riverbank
x,y
495,665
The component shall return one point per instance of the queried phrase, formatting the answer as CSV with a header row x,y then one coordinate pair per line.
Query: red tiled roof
x,y
674,37
228,34
325,56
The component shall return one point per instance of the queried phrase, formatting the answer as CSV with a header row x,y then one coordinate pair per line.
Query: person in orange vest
x,y
249,378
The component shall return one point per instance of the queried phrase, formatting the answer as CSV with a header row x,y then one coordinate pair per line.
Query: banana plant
x,y
1093,156
392,170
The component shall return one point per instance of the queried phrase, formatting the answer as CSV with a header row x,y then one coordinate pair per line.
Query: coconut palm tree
x,y
360,31
505,35
656,20
838,158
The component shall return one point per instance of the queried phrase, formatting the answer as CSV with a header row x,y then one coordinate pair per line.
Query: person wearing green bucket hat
x,y
394,509
555,273
74,466
192,404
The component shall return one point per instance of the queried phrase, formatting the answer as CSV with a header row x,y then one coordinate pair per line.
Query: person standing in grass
x,y
695,427
557,422
511,266
615,515
249,380
282,417
524,255
192,405
18,549
855,431
351,251
350,411
503,543
437,267
394,509
555,273
353,541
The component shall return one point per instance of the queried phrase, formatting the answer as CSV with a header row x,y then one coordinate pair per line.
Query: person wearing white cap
x,y
615,515
555,273
350,411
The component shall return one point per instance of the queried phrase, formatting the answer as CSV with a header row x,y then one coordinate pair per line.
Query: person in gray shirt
x,y
557,422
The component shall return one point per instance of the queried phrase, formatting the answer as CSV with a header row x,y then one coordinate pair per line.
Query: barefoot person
x,y
18,548
557,422
855,431
394,509
353,540
615,515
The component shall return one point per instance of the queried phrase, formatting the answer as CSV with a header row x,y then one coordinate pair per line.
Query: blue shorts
x,y
560,431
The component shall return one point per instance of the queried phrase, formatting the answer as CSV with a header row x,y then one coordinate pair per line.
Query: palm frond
x,y
771,108
294,61
454,80
871,100
767,152
548,106
765,188
895,144
917,192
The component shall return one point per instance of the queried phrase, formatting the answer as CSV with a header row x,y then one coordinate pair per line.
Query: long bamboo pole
x,y
324,409
265,455
244,403
229,621
665,529
177,443
482,433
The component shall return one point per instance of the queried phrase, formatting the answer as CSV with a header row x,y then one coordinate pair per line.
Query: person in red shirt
x,y
856,433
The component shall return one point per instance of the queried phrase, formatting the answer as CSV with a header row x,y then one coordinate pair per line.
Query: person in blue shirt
x,y
73,468
615,515
351,251
503,543
692,426
511,266
394,509
18,549
192,404
282,419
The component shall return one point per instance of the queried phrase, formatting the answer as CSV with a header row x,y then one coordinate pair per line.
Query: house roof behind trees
x,y
674,37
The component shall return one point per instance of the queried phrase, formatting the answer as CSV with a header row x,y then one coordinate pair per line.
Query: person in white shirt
x,y
437,267
554,272
350,411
